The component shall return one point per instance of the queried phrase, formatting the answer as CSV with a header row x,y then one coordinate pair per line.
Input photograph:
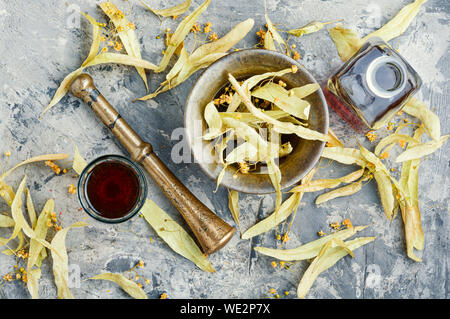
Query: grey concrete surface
x,y
41,42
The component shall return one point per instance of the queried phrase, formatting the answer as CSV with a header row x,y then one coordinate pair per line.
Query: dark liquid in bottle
x,y
372,86
112,188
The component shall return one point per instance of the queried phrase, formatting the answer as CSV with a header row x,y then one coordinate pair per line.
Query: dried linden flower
x,y
347,223
294,68
371,136
384,155
196,28
53,166
213,36
72,189
335,225
207,27
118,46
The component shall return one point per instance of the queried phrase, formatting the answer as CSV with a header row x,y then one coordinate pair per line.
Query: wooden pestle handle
x,y
211,232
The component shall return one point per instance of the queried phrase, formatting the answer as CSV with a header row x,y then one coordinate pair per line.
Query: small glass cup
x,y
84,180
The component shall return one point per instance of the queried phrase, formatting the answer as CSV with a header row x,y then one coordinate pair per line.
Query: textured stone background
x,y
41,43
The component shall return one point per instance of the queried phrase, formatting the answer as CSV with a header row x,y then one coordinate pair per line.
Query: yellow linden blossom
x,y
390,127
207,27
278,237
405,120
213,36
384,155
261,34
72,189
286,293
272,291
120,28
105,49
118,46
102,38
281,83
7,277
371,136
163,296
141,263
119,14
399,112
243,167
22,254
111,43
335,225
285,238
53,166
8,153
347,223
321,233
131,26
274,264
195,28
281,264
225,98
402,143
294,68
296,55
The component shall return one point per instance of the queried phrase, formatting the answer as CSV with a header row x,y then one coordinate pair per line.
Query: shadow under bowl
x,y
242,65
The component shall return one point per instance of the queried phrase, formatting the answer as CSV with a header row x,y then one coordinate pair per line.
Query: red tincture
x,y
112,189
372,86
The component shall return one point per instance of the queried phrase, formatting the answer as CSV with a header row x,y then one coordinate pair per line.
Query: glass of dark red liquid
x,y
112,189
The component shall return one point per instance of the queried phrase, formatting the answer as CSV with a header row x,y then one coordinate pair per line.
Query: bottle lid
x,y
386,76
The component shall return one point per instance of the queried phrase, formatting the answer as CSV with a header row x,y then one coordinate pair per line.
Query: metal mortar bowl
x,y
242,65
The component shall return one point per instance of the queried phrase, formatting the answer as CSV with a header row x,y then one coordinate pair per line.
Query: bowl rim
x,y
314,159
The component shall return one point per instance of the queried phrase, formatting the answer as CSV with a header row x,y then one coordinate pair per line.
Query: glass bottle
x,y
373,85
